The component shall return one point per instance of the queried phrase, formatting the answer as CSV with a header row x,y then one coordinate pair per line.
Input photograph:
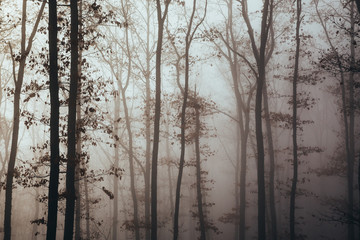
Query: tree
x,y
161,16
198,170
188,40
147,70
18,81
71,154
294,122
344,66
260,57
243,108
54,123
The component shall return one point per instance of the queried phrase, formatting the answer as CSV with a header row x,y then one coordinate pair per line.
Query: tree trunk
x,y
350,154
237,185
130,151
116,165
147,126
294,124
198,173
351,162
273,219
188,39
241,158
161,19
261,60
79,140
71,155
16,114
182,154
168,157
258,122
54,123
260,157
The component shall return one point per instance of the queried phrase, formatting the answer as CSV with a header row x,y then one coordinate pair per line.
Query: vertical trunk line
x,y
198,172
71,155
54,123
294,125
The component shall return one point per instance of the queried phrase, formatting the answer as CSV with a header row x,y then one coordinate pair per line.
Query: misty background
x,y
195,119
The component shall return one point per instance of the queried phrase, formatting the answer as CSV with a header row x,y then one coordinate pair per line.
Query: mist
x,y
194,119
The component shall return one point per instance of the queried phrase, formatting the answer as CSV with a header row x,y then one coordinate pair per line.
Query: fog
x,y
195,119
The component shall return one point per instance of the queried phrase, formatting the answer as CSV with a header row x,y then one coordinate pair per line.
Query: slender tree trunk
x,y
147,126
244,132
54,123
294,125
349,161
351,112
130,138
131,159
77,180
261,60
243,109
71,155
182,154
161,19
168,157
273,219
241,226
116,165
198,173
79,140
359,189
18,81
188,39
237,183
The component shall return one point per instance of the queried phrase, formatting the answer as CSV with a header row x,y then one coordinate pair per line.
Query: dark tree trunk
x,y
79,140
294,124
358,5
351,112
161,19
71,155
273,220
188,39
260,156
182,149
261,58
198,173
258,119
54,124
